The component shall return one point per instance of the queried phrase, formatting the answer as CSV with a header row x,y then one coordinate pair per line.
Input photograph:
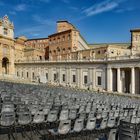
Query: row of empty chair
x,y
67,109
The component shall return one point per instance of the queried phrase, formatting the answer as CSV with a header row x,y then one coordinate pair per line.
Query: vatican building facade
x,y
65,58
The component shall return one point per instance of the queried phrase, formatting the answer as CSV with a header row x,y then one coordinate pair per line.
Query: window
x,y
112,51
40,57
104,51
99,80
69,48
58,39
55,77
73,78
84,57
5,31
33,75
136,38
68,37
63,39
22,74
17,74
54,40
27,74
85,79
99,52
46,75
63,49
58,49
4,50
64,77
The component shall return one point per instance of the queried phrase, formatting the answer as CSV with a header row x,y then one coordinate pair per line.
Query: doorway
x,y
5,65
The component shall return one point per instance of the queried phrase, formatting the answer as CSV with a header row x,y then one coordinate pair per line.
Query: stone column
x,y
68,76
0,67
60,76
109,79
133,80
50,75
93,78
90,78
90,56
79,77
118,80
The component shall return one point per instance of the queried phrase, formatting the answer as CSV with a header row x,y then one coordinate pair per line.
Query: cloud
x,y
38,1
35,31
12,12
21,7
30,30
124,10
35,34
42,20
46,1
73,8
41,27
105,6
66,1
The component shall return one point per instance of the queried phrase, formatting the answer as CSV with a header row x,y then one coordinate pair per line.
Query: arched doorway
x,y
5,65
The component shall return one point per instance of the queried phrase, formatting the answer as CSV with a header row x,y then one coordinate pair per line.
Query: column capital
x,y
109,67
118,67
132,67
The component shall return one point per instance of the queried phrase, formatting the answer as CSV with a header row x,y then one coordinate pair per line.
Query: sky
x,y
99,21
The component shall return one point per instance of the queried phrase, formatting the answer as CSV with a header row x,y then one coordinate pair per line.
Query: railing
x,y
82,60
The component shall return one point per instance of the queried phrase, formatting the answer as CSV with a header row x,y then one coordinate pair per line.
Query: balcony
x,y
104,60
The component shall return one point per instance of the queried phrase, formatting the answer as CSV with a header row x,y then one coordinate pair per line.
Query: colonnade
x,y
125,81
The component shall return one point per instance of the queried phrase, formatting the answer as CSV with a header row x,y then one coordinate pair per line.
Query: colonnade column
x,y
90,78
133,80
119,80
68,76
109,79
1,60
59,78
50,75
93,79
0,67
79,77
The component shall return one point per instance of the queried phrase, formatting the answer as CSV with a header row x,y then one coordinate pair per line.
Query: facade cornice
x,y
3,37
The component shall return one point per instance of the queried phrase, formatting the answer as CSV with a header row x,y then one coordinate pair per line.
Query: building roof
x,y
37,39
83,38
59,21
100,45
62,21
59,33
135,30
